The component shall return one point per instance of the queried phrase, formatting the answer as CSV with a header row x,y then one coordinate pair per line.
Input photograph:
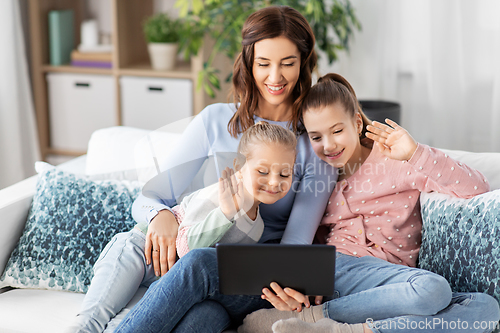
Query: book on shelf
x,y
81,56
100,48
94,64
61,36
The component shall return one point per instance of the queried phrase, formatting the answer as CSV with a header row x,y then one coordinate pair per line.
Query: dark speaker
x,y
380,110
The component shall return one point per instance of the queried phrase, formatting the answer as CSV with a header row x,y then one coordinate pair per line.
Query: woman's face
x,y
334,134
276,70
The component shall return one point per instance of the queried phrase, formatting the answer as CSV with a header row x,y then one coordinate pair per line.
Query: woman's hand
x,y
160,242
287,299
393,141
230,193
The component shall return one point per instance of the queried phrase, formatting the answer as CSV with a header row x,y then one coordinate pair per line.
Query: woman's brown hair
x,y
270,22
334,88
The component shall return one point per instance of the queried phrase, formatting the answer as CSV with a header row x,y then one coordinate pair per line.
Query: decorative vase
x,y
163,55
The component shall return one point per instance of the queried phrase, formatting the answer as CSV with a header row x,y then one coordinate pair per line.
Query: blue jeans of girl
x,y
410,299
369,290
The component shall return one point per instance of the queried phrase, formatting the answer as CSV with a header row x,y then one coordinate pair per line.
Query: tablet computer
x,y
246,269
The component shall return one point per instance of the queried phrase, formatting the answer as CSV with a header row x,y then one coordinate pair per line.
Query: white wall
x,y
101,11
439,59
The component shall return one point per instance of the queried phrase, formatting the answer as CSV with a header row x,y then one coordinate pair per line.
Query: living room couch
x,y
459,237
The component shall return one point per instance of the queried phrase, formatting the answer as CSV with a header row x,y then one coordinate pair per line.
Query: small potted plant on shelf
x,y
162,34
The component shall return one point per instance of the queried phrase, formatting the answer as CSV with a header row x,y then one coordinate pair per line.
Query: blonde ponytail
x,y
264,132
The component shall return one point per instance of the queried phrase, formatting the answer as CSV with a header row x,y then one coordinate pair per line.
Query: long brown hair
x,y
270,22
334,88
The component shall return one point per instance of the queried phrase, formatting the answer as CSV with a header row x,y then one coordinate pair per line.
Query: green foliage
x,y
207,78
333,23
161,28
192,34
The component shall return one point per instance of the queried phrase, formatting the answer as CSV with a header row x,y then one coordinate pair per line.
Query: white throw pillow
x,y
487,163
127,153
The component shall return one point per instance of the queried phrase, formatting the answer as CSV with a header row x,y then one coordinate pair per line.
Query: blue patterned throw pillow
x,y
461,240
70,221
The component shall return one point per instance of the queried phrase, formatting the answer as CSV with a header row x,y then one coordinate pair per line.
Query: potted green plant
x,y
333,23
162,34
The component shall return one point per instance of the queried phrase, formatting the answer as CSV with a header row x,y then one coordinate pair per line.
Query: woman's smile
x,y
276,90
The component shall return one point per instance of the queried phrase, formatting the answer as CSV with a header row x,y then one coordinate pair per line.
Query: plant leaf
x,y
214,80
210,92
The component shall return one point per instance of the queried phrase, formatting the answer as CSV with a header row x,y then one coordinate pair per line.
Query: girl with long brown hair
x,y
373,219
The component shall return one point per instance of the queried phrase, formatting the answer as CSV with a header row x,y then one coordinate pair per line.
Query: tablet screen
x,y
246,269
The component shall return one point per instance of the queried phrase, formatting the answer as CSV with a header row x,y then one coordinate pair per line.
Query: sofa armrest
x,y
15,203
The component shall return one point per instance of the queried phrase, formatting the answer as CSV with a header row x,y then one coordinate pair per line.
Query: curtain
x,y
18,137
439,60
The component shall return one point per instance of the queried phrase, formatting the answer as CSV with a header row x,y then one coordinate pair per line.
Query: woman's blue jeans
x,y
369,289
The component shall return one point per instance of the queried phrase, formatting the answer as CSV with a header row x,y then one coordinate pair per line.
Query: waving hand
x,y
392,140
230,194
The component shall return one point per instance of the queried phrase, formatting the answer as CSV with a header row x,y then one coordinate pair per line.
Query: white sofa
x,y
116,152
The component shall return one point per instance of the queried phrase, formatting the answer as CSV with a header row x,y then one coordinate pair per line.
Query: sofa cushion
x,y
122,152
15,202
48,311
486,163
70,221
461,240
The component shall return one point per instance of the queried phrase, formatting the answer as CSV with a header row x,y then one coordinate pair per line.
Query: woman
x,y
272,75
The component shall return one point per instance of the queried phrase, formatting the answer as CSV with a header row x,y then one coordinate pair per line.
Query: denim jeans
x,y
371,289
206,316
118,272
192,281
